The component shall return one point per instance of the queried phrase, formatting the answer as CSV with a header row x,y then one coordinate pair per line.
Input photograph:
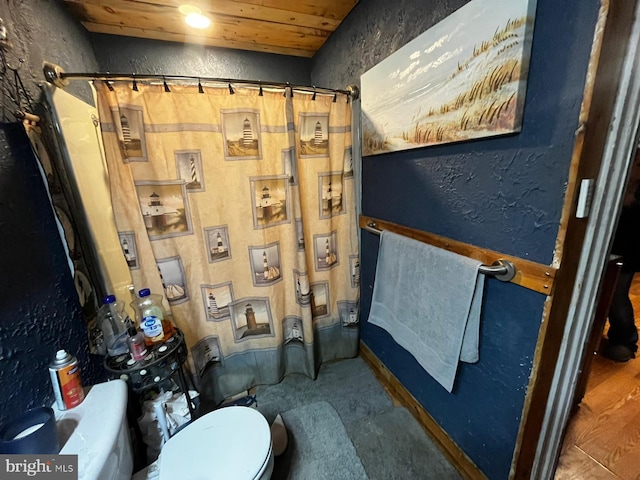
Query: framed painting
x,y
464,78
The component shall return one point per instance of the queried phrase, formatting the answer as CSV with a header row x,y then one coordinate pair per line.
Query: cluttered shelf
x,y
160,362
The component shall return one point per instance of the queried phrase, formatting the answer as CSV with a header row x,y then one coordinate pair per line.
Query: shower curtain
x,y
237,204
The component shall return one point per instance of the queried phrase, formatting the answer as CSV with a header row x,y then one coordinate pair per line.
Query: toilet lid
x,y
228,443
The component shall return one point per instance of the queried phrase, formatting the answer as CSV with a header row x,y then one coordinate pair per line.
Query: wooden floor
x,y
603,437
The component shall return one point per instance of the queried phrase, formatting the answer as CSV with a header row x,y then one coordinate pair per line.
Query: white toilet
x,y
228,443
97,431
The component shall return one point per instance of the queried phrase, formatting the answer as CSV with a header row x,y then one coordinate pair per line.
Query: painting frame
x,y
463,79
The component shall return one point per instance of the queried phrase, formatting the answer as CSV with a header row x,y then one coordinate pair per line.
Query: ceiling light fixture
x,y
197,20
193,16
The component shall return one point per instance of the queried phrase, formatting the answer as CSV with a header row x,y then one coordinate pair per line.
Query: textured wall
x,y
41,30
502,193
39,310
135,55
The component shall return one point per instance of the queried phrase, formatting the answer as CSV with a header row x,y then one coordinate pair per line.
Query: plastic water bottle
x,y
114,322
152,318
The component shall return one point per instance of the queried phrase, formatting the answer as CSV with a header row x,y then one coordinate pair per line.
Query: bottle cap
x,y
132,331
145,292
109,299
60,354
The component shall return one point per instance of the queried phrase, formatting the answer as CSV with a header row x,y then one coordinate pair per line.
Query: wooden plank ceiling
x,y
287,27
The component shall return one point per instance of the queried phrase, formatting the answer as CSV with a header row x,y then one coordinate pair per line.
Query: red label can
x,y
65,377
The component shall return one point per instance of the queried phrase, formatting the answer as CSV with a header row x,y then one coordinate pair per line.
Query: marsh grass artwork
x,y
462,79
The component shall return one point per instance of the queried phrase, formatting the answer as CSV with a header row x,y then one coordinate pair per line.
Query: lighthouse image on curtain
x,y
216,300
265,264
241,133
165,209
173,279
314,134
292,330
129,248
290,165
270,201
348,312
325,250
354,264
130,129
207,354
189,169
330,194
303,290
218,246
320,300
251,317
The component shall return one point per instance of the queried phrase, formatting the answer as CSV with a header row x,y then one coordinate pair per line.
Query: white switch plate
x,y
584,198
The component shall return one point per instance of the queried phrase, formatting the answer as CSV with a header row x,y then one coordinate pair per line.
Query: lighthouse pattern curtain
x,y
237,204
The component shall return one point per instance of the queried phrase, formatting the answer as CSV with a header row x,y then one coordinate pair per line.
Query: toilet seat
x,y
228,443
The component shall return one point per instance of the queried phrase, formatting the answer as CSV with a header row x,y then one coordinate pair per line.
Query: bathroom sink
x,y
97,431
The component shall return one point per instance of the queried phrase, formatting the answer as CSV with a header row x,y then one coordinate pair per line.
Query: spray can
x,y
65,377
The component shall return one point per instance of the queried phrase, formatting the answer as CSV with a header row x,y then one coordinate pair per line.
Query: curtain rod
x,y
54,74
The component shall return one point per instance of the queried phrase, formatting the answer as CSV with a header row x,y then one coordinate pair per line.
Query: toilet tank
x,y
97,431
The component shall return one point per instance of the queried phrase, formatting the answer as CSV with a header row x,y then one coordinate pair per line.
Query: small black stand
x,y
156,369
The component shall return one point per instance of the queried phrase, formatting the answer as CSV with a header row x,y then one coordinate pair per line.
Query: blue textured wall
x,y
503,193
39,311
136,55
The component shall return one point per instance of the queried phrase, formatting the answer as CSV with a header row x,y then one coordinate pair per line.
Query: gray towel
x,y
429,300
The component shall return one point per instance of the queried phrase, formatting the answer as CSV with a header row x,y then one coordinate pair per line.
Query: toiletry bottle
x,y
65,377
152,318
113,321
137,345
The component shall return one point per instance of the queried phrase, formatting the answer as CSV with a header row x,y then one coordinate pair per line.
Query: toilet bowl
x,y
228,443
